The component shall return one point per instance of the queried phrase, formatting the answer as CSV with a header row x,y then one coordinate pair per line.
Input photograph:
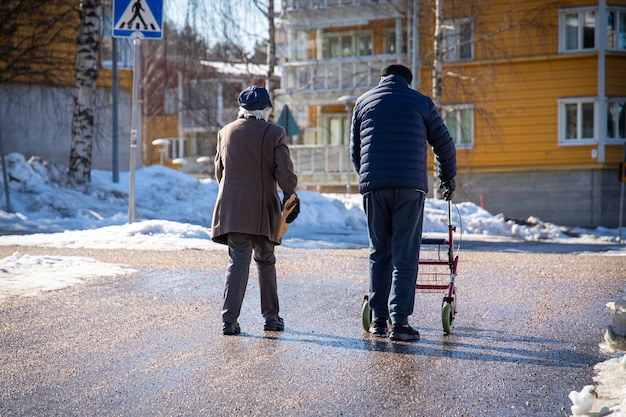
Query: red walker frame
x,y
434,275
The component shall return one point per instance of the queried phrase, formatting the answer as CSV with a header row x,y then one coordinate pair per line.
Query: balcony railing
x,y
322,4
323,165
337,75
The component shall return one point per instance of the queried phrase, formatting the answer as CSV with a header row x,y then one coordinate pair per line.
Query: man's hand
x,y
449,186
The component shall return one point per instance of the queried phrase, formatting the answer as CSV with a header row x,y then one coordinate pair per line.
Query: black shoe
x,y
231,329
379,327
404,332
274,325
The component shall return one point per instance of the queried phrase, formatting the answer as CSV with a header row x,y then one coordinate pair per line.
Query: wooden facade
x,y
537,104
37,100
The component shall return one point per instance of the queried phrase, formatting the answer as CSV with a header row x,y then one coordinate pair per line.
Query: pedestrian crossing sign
x,y
138,18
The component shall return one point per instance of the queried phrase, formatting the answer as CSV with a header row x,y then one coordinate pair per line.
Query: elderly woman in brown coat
x,y
251,162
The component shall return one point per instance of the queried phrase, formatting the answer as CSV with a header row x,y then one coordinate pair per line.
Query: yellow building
x,y
532,92
36,105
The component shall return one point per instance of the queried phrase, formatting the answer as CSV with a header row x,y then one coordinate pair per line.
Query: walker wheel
x,y
366,313
446,317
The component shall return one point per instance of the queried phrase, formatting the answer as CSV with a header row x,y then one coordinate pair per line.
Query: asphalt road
x,y
150,343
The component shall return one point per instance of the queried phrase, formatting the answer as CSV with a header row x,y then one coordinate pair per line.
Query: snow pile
x,y
582,401
611,386
29,275
615,336
42,201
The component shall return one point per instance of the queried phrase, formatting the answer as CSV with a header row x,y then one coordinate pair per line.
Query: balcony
x,y
328,165
322,82
319,14
292,6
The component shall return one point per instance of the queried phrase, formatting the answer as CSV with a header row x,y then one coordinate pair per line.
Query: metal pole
x,y
348,101
348,162
4,174
621,211
416,47
116,100
621,198
134,127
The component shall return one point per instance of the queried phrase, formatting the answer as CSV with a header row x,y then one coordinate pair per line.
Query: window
x,y
616,29
301,45
390,42
576,121
364,42
616,119
460,123
125,51
171,101
458,40
347,44
577,30
336,129
176,148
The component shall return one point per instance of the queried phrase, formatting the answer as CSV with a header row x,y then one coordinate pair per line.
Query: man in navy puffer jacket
x,y
391,129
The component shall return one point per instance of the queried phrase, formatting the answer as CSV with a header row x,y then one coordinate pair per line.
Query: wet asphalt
x,y
149,343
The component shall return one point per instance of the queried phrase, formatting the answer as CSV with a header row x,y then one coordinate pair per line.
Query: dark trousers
x,y
394,218
240,248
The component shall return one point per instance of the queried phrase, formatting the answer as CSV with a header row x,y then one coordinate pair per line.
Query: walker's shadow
x,y
464,344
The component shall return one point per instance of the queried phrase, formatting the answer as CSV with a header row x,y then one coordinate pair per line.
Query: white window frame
x,y
301,45
354,40
342,118
170,101
562,120
452,42
619,26
580,34
615,139
457,135
389,41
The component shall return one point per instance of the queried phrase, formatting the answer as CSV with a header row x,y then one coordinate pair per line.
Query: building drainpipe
x,y
416,47
181,97
601,33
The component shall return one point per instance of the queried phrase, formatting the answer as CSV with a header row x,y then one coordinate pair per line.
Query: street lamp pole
x,y
349,103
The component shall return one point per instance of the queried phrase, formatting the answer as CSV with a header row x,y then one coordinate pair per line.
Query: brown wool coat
x,y
251,162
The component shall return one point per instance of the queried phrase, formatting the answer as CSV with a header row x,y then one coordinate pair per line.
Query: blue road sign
x,y
140,18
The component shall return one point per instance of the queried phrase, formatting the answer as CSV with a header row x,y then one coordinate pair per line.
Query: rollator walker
x,y
436,273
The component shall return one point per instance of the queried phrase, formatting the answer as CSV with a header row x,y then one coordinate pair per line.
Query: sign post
x,y
136,20
622,179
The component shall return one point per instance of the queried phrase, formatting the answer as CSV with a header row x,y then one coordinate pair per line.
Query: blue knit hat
x,y
254,98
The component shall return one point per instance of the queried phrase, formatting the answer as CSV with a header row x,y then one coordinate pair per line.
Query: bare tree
x,y
492,43
85,94
268,12
437,80
27,36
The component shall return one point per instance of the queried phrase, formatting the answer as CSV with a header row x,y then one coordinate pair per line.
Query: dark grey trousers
x,y
240,248
394,219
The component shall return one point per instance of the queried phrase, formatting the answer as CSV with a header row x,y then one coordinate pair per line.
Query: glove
x,y
296,209
449,186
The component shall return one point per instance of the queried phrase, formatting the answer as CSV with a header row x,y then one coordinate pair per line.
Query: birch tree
x,y
85,91
437,81
271,42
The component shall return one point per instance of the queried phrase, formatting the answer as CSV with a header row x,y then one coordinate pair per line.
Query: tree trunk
x,y
85,94
438,57
271,48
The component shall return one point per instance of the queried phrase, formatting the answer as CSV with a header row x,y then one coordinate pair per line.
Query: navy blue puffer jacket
x,y
391,129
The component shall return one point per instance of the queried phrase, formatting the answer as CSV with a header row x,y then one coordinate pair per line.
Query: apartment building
x,y
533,93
